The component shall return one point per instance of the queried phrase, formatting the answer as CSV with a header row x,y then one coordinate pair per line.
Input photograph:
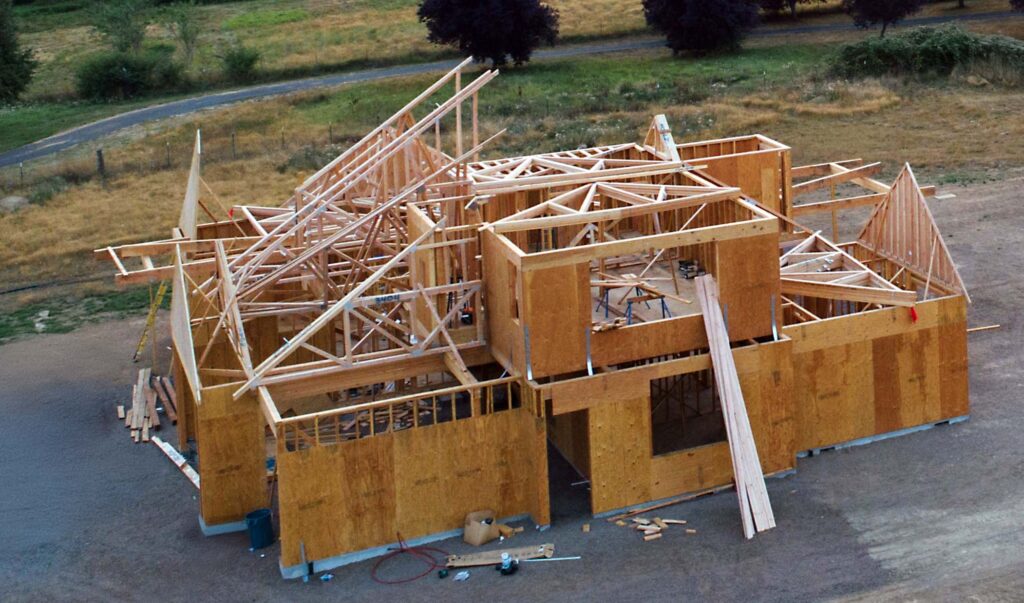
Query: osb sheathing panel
x,y
647,340
739,163
424,268
557,312
620,453
689,470
343,498
623,470
503,331
747,271
232,455
261,333
872,373
186,407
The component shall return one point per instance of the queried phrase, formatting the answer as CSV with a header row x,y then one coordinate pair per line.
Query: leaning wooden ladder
x,y
755,508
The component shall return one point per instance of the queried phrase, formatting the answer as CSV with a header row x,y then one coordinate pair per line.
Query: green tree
x,y
867,13
701,26
180,19
122,23
16,63
490,29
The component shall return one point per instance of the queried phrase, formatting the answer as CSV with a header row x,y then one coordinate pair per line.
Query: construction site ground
x,y
86,515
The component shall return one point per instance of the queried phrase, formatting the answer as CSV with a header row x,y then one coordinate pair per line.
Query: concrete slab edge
x,y
298,571
221,528
882,436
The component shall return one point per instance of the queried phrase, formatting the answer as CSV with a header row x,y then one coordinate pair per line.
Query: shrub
x,y
240,63
777,6
925,51
16,63
122,23
181,19
701,26
492,30
117,75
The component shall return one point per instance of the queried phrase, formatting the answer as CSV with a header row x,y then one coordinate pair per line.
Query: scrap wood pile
x,y
151,396
652,529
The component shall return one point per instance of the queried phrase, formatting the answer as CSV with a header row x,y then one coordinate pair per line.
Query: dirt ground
x,y
87,516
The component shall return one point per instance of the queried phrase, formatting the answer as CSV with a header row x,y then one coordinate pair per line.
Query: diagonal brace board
x,y
755,508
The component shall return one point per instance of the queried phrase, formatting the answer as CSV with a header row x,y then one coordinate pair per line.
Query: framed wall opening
x,y
685,412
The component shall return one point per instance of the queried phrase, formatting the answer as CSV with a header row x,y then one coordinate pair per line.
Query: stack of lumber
x,y
652,529
755,508
151,395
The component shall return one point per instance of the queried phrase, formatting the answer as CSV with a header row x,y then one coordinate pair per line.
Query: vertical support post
x,y
458,115
835,214
526,351
775,324
234,150
476,130
590,363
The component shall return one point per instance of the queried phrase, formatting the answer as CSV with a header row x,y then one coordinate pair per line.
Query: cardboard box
x,y
480,528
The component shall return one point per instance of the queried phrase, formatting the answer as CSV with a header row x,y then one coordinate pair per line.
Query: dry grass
x,y
54,240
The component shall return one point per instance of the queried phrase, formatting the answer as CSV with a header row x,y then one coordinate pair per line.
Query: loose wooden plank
x,y
494,557
151,413
167,390
980,329
178,460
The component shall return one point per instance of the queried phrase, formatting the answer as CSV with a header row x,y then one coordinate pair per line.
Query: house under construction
x,y
406,334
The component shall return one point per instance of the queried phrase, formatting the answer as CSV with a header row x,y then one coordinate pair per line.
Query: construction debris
x,y
652,529
495,557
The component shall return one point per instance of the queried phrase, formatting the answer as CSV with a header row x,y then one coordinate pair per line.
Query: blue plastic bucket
x,y
260,527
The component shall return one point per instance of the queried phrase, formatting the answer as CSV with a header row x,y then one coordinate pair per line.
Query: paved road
x,y
98,129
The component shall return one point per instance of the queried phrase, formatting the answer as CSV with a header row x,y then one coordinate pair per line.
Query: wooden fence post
x,y
101,167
